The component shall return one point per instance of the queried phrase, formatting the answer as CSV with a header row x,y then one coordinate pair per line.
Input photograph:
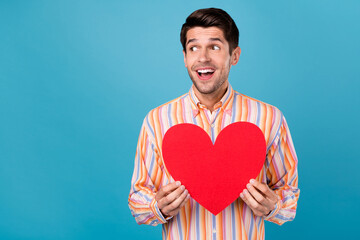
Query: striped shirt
x,y
237,221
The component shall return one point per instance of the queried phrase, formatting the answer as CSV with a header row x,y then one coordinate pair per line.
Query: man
x,y
210,46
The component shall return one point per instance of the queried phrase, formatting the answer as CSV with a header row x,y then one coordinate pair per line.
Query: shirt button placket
x,y
214,234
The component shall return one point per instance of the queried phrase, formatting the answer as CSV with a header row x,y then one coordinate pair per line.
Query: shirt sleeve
x,y
142,203
282,175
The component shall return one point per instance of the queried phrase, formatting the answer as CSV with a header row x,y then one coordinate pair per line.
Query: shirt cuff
x,y
155,209
274,211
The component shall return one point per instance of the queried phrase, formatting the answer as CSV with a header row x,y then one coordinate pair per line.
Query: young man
x,y
210,47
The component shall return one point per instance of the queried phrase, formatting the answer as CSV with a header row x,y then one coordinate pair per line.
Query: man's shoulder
x,y
255,102
164,111
169,104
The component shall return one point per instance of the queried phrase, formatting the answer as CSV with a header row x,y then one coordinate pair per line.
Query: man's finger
x,y
170,198
264,189
246,200
185,200
167,189
252,203
177,202
258,196
175,211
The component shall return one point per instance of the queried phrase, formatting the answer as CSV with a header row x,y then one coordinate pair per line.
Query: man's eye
x,y
193,48
215,48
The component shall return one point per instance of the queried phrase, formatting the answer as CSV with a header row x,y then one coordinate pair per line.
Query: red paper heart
x,y
216,174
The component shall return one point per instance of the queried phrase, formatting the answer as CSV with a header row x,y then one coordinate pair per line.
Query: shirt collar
x,y
223,103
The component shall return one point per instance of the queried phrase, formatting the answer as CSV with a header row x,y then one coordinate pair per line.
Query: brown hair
x,y
212,17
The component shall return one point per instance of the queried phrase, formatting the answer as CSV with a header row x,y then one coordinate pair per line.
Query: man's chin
x,y
204,86
205,89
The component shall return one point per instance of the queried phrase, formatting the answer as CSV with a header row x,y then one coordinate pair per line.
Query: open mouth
x,y
205,73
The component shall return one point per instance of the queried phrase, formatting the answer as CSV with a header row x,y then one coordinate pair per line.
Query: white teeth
x,y
205,70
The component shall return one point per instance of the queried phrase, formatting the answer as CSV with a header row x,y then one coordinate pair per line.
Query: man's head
x,y
211,17
210,41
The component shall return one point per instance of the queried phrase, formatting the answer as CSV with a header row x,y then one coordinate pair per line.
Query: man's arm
x,y
276,200
149,203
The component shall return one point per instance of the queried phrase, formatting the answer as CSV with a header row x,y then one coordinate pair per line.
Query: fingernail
x,y
178,183
241,195
248,185
245,191
188,196
182,187
252,181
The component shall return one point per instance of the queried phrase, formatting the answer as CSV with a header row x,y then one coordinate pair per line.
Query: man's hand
x,y
171,198
260,198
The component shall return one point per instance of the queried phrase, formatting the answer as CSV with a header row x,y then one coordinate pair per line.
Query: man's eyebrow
x,y
210,39
191,40
216,39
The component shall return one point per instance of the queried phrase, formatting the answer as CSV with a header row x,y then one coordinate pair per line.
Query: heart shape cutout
x,y
214,174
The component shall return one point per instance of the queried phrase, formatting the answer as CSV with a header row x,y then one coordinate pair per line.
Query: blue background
x,y
78,77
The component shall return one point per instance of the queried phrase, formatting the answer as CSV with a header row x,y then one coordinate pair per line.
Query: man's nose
x,y
204,55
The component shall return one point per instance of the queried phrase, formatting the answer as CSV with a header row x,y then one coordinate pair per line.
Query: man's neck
x,y
209,100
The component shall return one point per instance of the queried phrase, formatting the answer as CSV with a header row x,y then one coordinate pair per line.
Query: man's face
x,y
208,60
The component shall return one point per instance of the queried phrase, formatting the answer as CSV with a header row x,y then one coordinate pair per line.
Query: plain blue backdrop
x,y
78,77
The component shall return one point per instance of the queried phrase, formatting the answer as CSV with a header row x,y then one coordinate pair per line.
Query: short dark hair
x,y
212,17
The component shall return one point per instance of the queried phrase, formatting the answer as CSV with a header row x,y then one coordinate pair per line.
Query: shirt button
x,y
214,231
212,125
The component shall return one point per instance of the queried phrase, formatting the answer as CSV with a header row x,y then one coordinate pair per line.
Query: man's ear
x,y
235,56
184,58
